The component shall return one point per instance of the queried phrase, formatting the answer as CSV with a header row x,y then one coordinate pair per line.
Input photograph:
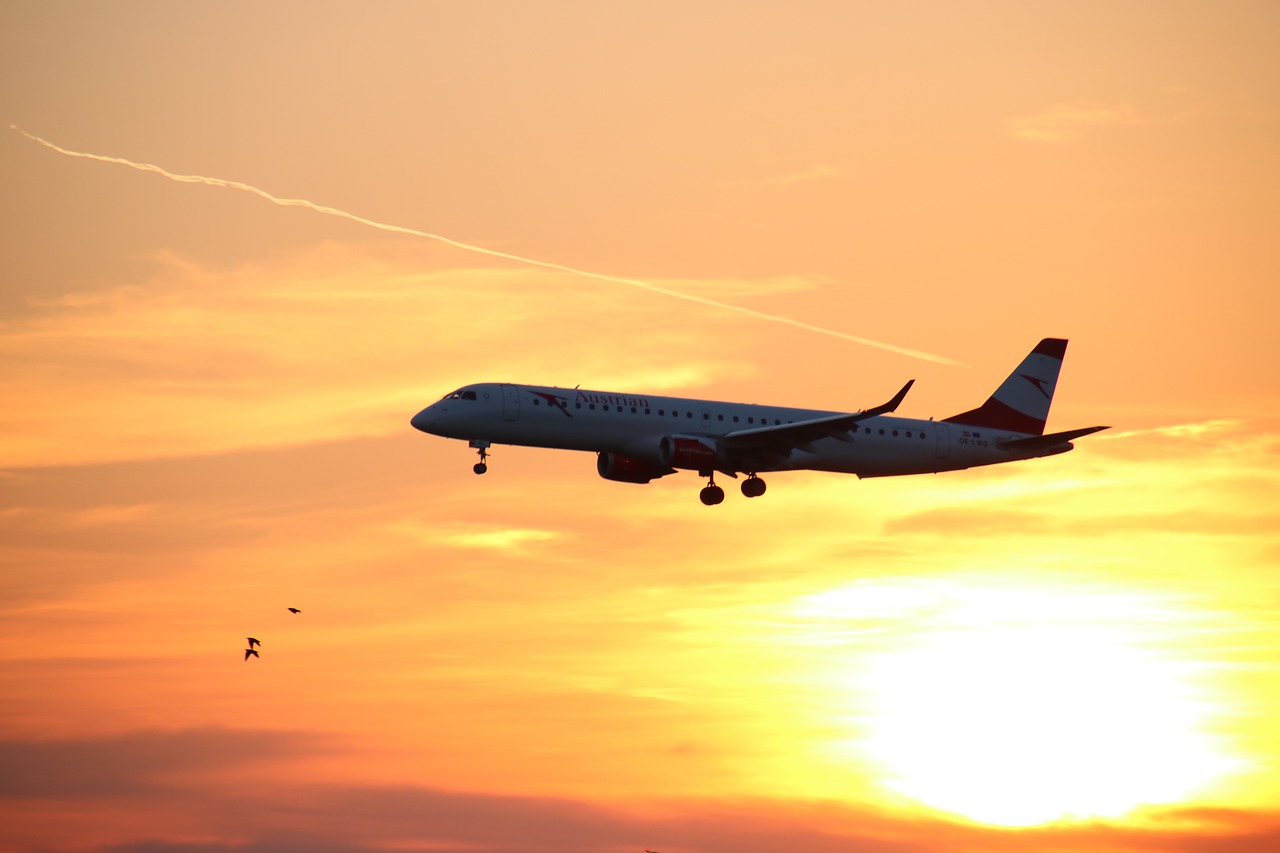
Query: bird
x,y
254,641
294,610
248,652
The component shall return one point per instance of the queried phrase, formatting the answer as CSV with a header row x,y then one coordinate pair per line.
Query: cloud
x,y
324,345
229,816
1196,430
318,347
1069,122
468,247
1164,522
138,761
486,536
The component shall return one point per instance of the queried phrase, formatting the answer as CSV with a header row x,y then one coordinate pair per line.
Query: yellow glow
x,y
476,535
1024,708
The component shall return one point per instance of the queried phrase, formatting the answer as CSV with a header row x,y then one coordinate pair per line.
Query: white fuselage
x,y
633,425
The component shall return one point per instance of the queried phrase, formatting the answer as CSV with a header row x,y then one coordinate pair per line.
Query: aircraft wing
x,y
775,443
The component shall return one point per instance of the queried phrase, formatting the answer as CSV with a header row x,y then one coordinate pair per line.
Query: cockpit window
x,y
460,395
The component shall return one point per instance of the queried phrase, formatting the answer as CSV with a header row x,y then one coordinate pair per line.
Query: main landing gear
x,y
483,446
711,494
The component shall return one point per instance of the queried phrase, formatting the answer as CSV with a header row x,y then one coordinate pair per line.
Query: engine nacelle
x,y
625,469
690,451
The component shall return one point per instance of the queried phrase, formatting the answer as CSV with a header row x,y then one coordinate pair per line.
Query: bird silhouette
x,y
248,652
254,641
294,610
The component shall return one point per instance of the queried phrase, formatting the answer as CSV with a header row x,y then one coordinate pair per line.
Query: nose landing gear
x,y
482,446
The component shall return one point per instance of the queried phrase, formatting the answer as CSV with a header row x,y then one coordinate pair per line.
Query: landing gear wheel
x,y
711,495
753,486
479,467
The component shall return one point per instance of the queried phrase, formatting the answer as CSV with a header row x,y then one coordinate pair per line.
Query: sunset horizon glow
x,y
205,431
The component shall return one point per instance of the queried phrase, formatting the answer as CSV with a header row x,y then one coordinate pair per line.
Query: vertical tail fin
x,y
1021,403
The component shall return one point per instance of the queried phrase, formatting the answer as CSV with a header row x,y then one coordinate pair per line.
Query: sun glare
x,y
1018,709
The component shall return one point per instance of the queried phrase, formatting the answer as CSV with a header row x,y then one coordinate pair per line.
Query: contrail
x,y
468,247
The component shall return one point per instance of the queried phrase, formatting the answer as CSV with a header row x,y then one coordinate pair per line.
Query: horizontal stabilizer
x,y
1044,442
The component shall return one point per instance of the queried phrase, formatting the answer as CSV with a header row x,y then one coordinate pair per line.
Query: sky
x,y
243,243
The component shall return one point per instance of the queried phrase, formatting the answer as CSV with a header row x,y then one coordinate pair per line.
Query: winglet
x,y
892,404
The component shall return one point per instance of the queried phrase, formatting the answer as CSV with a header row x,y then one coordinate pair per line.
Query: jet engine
x,y
626,469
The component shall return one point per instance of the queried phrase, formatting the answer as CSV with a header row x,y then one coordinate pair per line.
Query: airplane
x,y
641,437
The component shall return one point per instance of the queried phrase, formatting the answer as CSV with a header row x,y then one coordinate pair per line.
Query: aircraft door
x,y
510,403
943,435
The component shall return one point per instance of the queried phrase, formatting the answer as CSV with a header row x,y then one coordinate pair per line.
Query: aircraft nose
x,y
424,420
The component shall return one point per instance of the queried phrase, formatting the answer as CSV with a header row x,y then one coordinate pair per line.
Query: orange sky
x,y
205,403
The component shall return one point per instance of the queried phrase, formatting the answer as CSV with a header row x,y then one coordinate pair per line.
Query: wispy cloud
x,y
1069,122
1196,430
195,361
494,253
85,794
492,537
138,761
